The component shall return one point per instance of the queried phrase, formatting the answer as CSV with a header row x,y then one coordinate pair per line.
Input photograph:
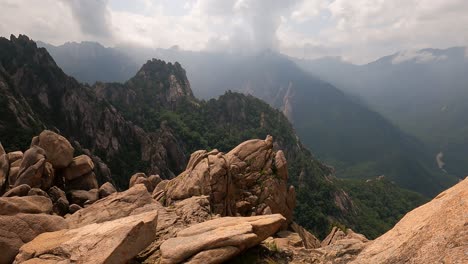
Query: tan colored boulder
x,y
159,191
436,232
218,240
25,204
58,150
246,181
14,156
288,238
172,220
74,208
106,189
145,182
309,240
154,180
59,200
16,163
20,190
85,182
281,165
48,176
61,207
334,235
37,191
15,230
79,166
117,241
114,206
56,193
82,197
13,175
31,168
134,177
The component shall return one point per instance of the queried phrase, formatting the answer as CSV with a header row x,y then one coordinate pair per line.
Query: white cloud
x,y
306,10
92,17
46,20
417,56
358,30
367,29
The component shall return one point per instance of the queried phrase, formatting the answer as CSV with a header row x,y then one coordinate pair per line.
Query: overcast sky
x,y
357,30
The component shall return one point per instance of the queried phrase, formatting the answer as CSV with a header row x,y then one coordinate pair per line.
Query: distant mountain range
x,y
152,122
340,129
425,92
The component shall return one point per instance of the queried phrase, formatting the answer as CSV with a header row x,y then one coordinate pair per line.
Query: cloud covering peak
x,y
358,30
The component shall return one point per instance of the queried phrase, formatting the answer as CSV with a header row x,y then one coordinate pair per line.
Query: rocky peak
x,y
32,69
249,180
39,95
163,82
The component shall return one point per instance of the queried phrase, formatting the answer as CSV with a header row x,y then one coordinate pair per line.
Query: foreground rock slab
x,y
117,241
436,232
219,240
18,229
114,206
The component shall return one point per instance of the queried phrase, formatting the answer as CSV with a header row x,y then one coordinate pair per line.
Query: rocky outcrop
x,y
249,180
16,230
32,83
58,150
15,156
166,81
114,206
59,200
84,182
117,241
308,239
20,190
106,189
219,240
82,197
26,204
37,191
172,220
436,232
32,167
78,167
290,247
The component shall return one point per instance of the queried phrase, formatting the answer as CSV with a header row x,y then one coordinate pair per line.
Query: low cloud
x,y
92,16
417,56
358,30
249,25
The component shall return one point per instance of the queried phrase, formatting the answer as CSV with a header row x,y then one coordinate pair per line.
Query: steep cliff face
x,y
157,84
47,96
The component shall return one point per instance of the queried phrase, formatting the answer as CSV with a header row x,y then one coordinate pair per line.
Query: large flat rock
x,y
220,239
114,206
436,232
117,241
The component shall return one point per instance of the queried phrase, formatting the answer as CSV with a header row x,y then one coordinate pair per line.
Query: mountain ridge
x,y
424,94
328,120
